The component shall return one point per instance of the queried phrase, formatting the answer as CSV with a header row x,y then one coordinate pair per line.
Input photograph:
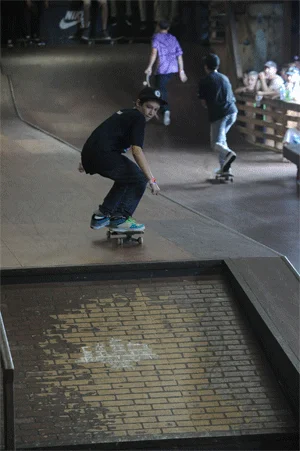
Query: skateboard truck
x,y
125,237
224,176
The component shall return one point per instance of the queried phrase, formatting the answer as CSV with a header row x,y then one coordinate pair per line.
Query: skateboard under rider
x,y
122,237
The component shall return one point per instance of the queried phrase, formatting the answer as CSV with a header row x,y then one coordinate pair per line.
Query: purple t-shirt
x,y
168,50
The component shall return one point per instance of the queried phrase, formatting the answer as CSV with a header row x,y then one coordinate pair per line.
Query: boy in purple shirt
x,y
168,53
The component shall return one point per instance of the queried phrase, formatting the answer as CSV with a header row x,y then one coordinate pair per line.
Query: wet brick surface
x,y
136,359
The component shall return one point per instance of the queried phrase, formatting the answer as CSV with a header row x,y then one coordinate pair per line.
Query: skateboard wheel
x,y
120,241
108,235
140,240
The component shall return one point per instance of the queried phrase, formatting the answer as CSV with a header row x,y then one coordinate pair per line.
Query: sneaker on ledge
x,y
127,225
98,221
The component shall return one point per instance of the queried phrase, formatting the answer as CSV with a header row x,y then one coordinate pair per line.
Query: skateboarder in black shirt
x,y
216,94
103,154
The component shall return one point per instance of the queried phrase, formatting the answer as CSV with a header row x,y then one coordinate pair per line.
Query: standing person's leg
x,y
113,12
8,22
36,14
174,11
161,82
24,19
143,17
218,132
128,13
104,17
85,32
160,10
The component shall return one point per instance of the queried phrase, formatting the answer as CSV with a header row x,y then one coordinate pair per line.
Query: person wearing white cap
x,y
103,154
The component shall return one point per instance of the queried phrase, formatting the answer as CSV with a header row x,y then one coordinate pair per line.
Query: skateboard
x,y
139,39
125,237
111,41
224,177
23,42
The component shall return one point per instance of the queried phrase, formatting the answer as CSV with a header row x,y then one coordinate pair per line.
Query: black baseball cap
x,y
151,94
212,61
270,64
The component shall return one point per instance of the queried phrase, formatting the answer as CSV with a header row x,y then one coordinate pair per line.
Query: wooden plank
x,y
266,147
280,105
262,112
247,131
247,120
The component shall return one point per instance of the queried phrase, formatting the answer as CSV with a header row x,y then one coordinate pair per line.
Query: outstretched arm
x,y
142,162
153,56
182,74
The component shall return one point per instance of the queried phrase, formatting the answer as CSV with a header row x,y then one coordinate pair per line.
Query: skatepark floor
x,y
68,92
47,204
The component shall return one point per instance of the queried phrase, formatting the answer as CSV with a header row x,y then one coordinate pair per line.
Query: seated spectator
x,y
291,141
249,81
292,86
296,62
269,82
292,136
291,91
283,72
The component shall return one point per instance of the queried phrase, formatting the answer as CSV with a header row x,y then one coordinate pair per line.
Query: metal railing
x,y
7,395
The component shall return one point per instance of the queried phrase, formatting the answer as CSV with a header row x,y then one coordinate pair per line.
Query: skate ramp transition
x,y
69,91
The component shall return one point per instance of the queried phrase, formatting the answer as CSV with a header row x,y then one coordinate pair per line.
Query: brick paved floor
x,y
145,358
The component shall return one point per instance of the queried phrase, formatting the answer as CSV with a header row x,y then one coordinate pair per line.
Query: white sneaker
x,y
167,118
219,171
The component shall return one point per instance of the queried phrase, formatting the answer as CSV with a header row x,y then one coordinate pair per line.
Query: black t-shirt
x,y
216,89
113,137
123,129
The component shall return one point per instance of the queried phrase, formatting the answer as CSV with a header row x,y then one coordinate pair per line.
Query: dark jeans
x,y
161,81
32,18
129,187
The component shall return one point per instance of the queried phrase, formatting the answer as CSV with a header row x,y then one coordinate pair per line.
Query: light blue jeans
x,y
218,132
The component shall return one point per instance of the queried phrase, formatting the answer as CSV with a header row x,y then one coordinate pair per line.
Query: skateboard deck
x,y
224,177
125,237
111,41
138,39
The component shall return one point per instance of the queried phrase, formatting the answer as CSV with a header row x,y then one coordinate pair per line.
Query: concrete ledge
x,y
253,442
110,272
268,292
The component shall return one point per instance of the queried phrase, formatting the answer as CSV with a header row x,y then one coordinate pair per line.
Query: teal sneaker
x,y
98,221
128,225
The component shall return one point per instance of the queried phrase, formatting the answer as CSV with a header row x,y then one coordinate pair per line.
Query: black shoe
x,y
230,157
